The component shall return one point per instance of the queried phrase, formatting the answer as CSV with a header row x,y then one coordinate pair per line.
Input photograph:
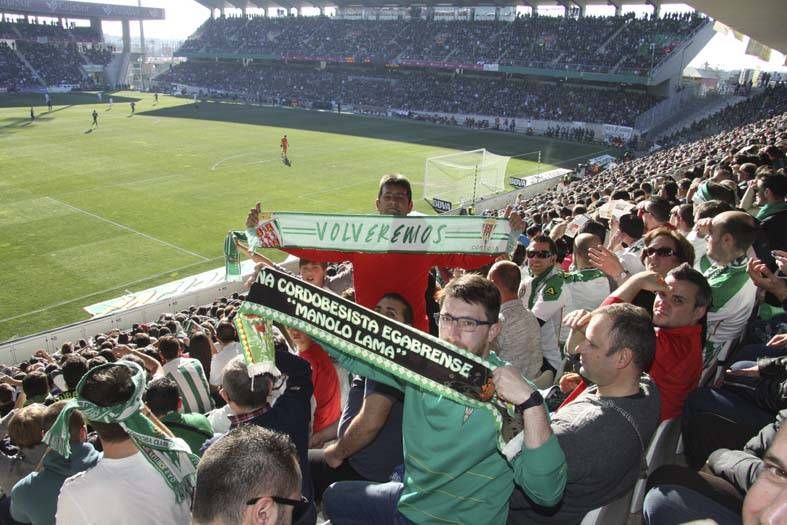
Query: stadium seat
x,y
661,451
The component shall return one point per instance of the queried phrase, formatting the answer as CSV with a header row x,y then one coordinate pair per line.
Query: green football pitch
x,y
88,213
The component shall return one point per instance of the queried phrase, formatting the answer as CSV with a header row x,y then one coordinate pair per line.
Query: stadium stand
x,y
559,42
55,54
413,91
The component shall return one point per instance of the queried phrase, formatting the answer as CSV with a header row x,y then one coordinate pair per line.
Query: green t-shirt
x,y
194,429
454,472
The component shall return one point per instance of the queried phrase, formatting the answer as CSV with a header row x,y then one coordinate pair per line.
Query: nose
x,y
451,333
776,512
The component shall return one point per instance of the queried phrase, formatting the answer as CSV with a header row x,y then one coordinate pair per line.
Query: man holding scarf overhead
x,y
145,476
404,273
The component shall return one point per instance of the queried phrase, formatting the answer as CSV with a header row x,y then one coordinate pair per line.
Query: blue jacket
x,y
34,497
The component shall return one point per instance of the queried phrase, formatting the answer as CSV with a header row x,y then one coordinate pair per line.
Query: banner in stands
x,y
613,131
440,205
517,182
82,9
602,161
382,233
411,355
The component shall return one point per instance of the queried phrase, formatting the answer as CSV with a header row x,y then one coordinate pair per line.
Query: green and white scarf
x,y
383,233
173,460
232,257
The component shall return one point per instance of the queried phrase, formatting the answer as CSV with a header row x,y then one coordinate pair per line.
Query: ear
x,y
699,313
377,204
410,206
261,513
180,404
494,331
223,395
624,358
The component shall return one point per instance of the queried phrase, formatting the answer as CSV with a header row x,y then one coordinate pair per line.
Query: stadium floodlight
x,y
465,177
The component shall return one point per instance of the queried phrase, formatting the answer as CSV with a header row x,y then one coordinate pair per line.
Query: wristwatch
x,y
622,276
535,399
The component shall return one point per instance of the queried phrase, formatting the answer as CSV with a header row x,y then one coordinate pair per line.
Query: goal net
x,y
450,180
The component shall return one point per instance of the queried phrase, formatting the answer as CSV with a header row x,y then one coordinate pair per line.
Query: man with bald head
x,y
729,235
519,340
589,286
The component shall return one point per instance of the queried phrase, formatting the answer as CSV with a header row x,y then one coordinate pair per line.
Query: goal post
x,y
465,177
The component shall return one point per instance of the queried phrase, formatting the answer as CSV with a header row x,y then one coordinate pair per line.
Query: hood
x,y
83,457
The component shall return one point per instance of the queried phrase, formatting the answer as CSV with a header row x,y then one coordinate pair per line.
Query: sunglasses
x,y
300,506
659,252
541,254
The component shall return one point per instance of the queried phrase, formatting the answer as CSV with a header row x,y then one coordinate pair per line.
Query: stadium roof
x,y
761,20
61,8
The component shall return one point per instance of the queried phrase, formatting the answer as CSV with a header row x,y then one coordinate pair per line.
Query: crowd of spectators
x,y
13,72
773,99
537,41
98,55
55,52
56,64
489,95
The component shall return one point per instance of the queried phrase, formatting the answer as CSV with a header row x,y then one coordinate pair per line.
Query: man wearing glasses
x,y
249,476
453,469
546,295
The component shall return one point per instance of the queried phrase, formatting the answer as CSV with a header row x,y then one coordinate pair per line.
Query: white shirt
x,y
127,491
221,359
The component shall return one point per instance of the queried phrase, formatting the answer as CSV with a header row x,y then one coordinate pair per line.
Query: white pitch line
x,y
132,230
225,159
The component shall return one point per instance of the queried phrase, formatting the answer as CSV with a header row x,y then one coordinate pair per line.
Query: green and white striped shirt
x,y
192,384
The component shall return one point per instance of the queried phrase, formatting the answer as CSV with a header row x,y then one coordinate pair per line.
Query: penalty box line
x,y
130,229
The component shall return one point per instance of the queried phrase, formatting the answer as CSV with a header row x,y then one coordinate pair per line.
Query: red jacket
x,y
375,274
676,368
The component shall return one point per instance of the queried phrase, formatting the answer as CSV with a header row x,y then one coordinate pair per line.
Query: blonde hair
x,y
26,428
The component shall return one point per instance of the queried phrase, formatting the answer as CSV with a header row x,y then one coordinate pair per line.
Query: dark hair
x,y
162,396
108,386
742,227
594,228
200,349
169,347
711,208
545,239
659,207
74,367
262,462
408,310
474,289
685,272
35,384
686,214
397,180
720,192
225,332
684,250
631,328
774,182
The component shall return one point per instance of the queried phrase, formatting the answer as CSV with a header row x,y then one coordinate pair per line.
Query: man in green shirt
x,y
163,399
453,469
